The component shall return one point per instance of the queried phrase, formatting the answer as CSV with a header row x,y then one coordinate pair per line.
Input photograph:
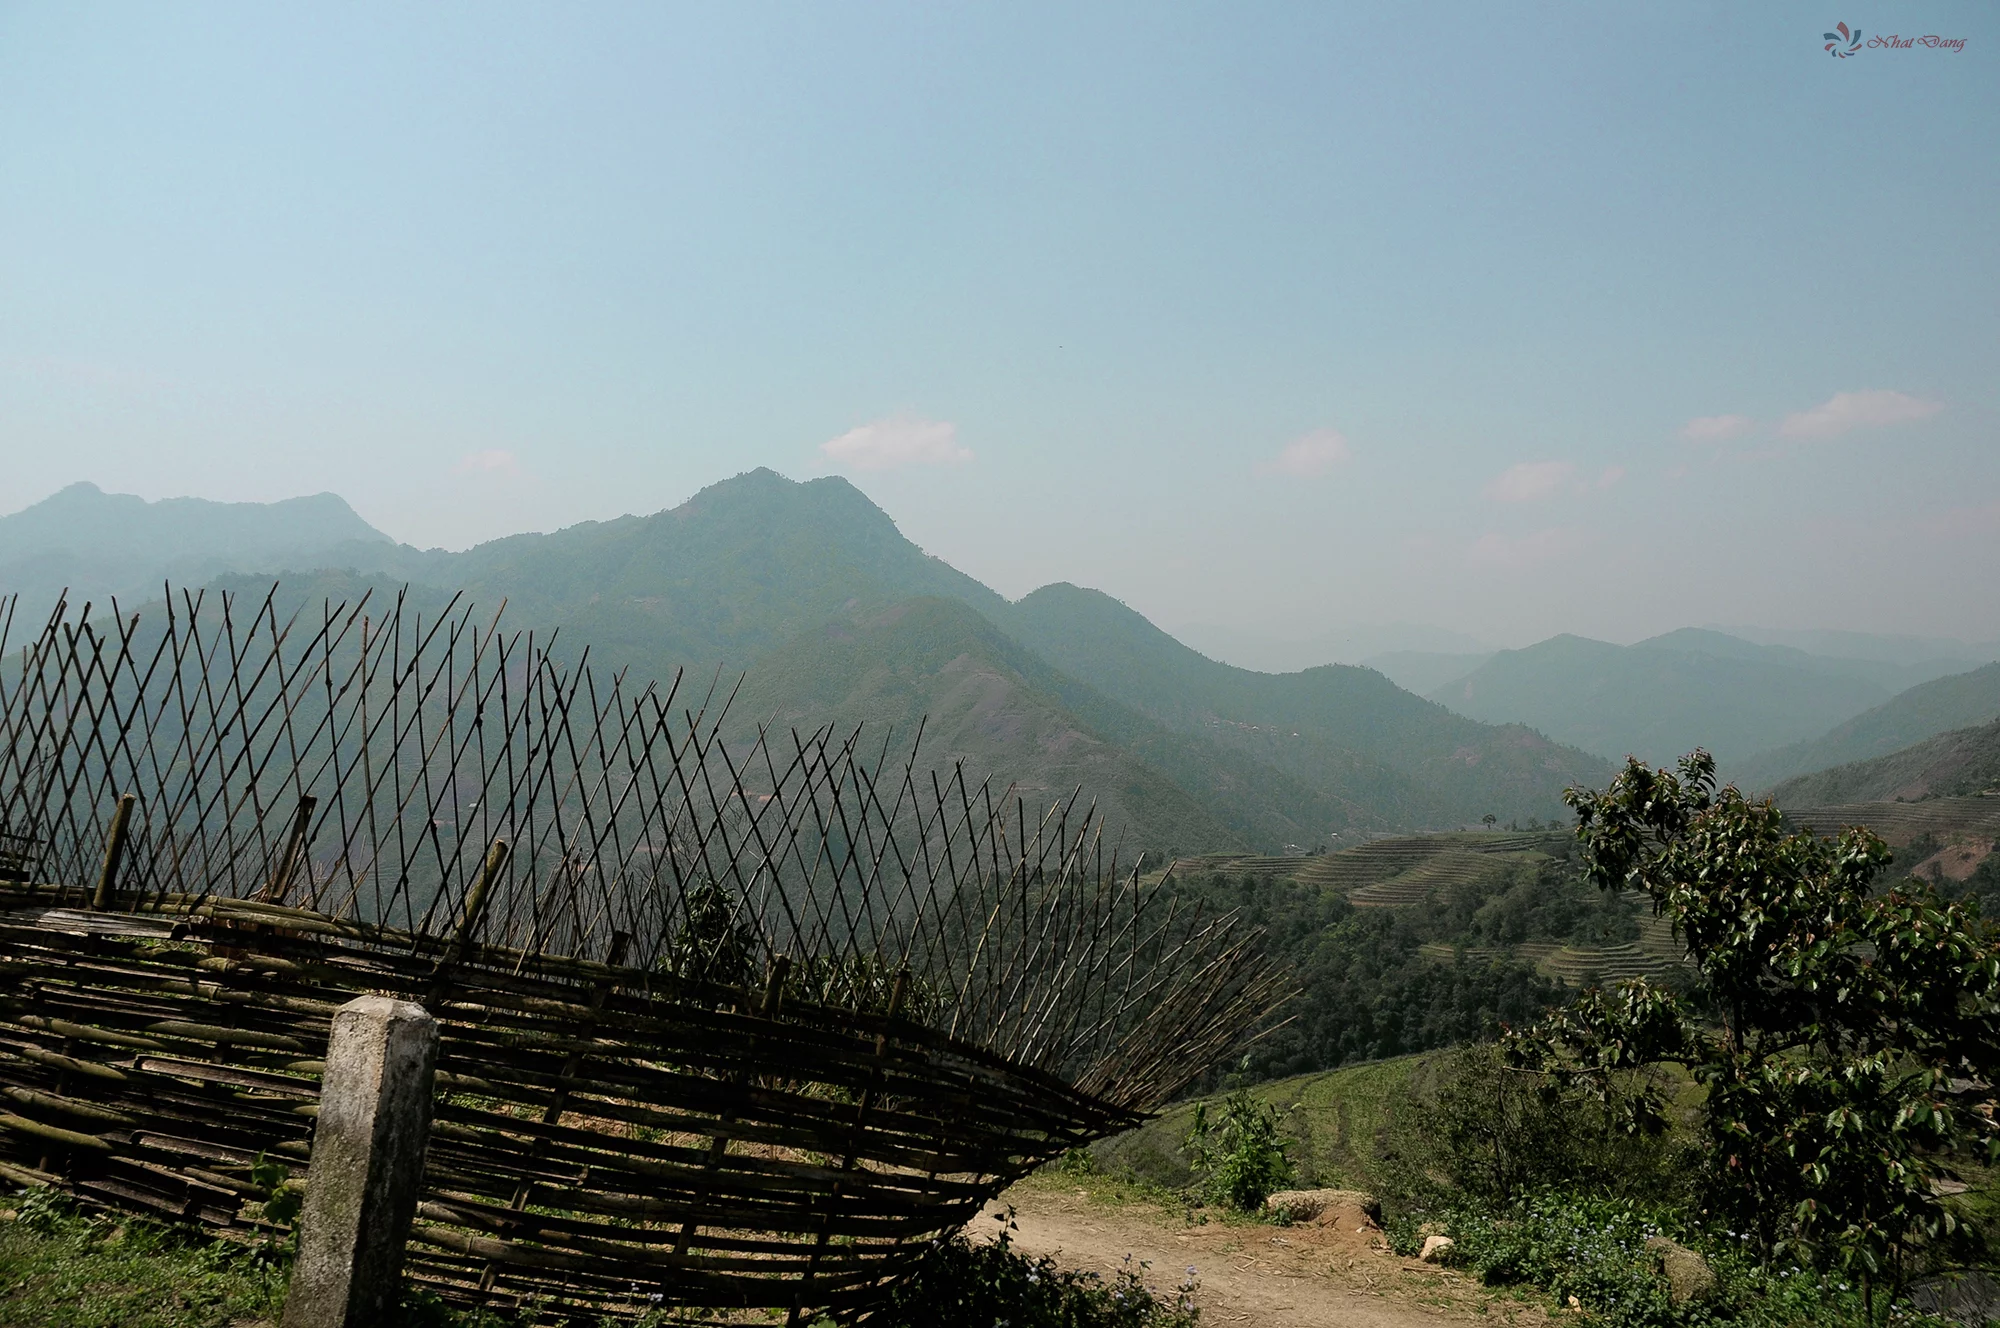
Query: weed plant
x,y
1240,1155
1541,1189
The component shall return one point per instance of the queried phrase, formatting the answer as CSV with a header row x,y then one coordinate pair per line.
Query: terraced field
x,y
1901,822
1395,873
1654,954
1232,863
1389,872
1447,867
1403,872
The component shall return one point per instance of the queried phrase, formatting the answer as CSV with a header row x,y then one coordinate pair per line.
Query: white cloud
x,y
1611,475
493,461
1716,428
1529,480
1518,552
898,440
1847,411
1309,454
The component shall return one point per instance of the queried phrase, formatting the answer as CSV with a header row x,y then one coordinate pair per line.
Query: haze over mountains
x,y
1694,687
832,616
100,544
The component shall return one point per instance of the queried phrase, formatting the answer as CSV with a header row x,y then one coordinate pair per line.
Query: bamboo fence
x,y
726,1028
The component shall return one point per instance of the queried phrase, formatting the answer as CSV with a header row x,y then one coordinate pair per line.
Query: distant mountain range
x,y
810,591
1695,687
1425,671
1962,700
1340,728
98,545
1886,649
1359,643
834,617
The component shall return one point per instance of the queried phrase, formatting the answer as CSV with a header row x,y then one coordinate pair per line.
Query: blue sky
x,y
1584,318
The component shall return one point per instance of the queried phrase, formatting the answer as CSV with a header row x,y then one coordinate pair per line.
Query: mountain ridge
x,y
1963,700
1660,699
97,545
1960,763
1326,725
770,576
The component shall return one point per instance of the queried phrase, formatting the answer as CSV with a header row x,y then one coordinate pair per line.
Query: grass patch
x,y
1332,1121
62,1266
63,1269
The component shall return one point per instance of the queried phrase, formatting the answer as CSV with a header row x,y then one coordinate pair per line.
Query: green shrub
x,y
972,1283
1240,1159
1594,1249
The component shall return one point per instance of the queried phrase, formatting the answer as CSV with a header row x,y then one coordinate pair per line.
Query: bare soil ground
x,y
1955,862
1335,1270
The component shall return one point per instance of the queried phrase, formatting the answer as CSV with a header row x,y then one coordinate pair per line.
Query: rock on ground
x,y
1688,1274
1347,1209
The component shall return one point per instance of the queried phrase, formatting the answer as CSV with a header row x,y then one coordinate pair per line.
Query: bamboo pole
x,y
294,852
114,854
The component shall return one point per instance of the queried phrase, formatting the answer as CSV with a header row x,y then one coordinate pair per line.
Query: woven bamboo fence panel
x,y
734,1026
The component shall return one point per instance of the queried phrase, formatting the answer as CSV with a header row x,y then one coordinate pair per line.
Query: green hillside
x,y
1661,699
1959,764
1521,882
1333,1120
987,701
1340,728
1960,701
1413,942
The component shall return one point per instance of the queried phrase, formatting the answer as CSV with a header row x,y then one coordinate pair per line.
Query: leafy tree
x,y
1845,1036
1471,1129
1366,989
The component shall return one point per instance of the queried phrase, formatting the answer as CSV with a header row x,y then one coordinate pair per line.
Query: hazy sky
x,y
1600,318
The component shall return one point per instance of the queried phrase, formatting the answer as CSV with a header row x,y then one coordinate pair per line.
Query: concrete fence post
x,y
367,1165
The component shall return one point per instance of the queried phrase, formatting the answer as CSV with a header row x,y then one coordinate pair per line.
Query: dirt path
x,y
1334,1271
